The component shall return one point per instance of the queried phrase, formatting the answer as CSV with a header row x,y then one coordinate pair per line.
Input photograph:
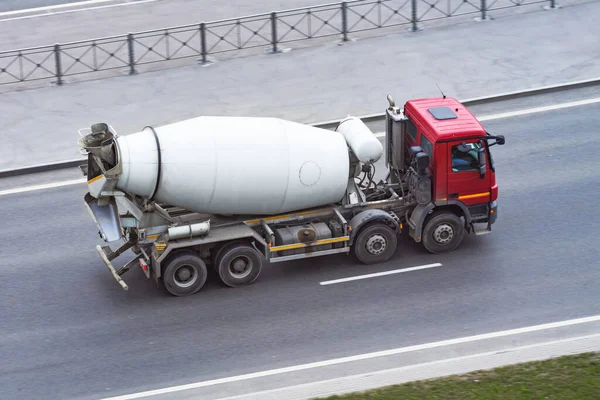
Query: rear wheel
x,y
184,274
238,264
443,232
375,243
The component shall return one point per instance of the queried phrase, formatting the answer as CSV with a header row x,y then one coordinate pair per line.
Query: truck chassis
x,y
236,247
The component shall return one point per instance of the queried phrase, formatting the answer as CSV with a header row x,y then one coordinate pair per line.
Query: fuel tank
x,y
235,165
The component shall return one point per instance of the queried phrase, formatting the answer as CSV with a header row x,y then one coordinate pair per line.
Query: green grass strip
x,y
574,377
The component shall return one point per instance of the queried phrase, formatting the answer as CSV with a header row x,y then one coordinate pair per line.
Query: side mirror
x,y
482,162
422,162
499,139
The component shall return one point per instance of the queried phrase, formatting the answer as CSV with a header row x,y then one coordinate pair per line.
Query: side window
x,y
492,167
465,160
426,145
411,129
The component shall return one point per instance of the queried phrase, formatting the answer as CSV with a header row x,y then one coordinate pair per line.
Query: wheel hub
x,y
240,267
185,276
443,234
376,244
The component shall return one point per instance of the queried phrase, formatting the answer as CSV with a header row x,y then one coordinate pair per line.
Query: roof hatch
x,y
442,113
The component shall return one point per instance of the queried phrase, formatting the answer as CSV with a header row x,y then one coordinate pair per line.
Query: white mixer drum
x,y
236,165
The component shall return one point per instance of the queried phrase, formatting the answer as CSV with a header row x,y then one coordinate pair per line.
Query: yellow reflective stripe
x,y
255,221
95,179
467,196
472,196
317,243
275,218
153,237
314,212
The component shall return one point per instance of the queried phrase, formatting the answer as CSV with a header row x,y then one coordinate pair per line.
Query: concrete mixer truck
x,y
232,193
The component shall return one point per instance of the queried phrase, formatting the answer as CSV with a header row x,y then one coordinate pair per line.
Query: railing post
x,y
59,80
203,42
345,20
552,3
414,17
483,9
131,54
274,32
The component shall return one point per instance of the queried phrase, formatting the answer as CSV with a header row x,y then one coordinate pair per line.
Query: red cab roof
x,y
444,118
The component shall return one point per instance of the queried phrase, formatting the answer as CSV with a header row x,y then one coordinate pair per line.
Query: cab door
x,y
464,177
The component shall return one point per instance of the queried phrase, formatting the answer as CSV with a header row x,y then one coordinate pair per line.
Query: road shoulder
x,y
416,362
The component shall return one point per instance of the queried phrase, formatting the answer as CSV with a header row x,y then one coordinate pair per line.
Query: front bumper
x,y
493,215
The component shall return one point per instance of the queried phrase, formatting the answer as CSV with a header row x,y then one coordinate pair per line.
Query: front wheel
x,y
184,274
375,244
444,232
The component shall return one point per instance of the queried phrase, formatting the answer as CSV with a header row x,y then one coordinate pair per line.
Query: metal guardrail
x,y
270,30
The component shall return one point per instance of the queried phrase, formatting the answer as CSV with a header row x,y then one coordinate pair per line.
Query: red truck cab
x,y
461,166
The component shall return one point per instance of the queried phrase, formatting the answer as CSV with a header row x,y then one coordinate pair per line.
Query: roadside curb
x,y
41,168
331,124
429,370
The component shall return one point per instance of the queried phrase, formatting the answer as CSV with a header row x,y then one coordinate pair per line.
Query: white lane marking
x,y
398,375
48,11
55,7
529,111
41,187
358,357
376,274
540,109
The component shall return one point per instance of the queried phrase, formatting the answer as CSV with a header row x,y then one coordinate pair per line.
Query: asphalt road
x,y
69,331
13,5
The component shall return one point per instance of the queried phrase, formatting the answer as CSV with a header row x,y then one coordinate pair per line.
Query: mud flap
x,y
416,219
106,217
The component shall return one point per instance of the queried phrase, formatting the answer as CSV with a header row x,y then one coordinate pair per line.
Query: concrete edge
x,y
7,173
429,370
331,124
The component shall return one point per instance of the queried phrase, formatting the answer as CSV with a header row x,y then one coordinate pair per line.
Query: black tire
x,y
443,232
375,243
238,264
218,250
184,274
